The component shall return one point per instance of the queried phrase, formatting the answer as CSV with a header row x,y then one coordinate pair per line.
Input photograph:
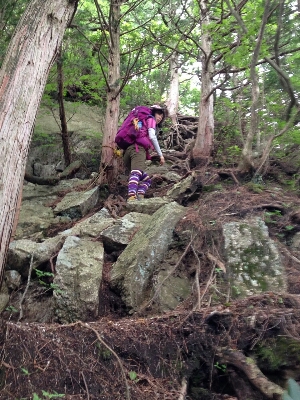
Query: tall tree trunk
x,y
205,133
23,76
109,162
173,98
246,162
62,113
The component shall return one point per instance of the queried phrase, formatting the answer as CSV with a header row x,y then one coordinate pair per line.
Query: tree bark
x,y
173,98
246,162
23,76
109,162
205,134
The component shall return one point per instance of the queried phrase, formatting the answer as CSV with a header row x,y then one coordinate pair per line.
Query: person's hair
x,y
159,110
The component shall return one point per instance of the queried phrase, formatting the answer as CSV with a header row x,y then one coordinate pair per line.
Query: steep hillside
x,y
215,343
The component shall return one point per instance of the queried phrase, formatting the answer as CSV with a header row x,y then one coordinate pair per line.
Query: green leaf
x,y
289,227
132,375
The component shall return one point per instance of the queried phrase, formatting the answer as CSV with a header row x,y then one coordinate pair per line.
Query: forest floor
x,y
177,355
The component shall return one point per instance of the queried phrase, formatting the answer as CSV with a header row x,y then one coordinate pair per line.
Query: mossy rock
x,y
276,353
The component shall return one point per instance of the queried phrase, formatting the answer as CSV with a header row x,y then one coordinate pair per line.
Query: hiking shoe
x,y
131,198
141,197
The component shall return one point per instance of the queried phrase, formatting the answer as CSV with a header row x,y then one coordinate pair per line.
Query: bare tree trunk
x,y
205,134
109,162
23,76
62,113
246,162
173,98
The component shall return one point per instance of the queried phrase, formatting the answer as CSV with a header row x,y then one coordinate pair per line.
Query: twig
x,y
216,261
26,289
51,263
197,277
291,255
209,281
86,386
203,294
169,274
234,178
85,325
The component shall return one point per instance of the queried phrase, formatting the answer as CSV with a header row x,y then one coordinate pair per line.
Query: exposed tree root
x,y
254,374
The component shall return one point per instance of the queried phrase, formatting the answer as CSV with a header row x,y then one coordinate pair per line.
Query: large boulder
x,y
132,272
253,261
77,281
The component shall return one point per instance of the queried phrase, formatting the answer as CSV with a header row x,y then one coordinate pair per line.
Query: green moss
x,y
248,261
275,353
255,187
213,188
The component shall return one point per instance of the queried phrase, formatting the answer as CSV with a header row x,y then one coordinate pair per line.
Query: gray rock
x,y
295,244
46,193
92,226
12,279
171,290
77,204
36,214
253,260
132,272
21,251
77,280
43,170
189,189
34,217
4,296
180,187
117,236
172,176
147,206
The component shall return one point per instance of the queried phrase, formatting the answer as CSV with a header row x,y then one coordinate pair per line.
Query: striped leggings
x,y
138,183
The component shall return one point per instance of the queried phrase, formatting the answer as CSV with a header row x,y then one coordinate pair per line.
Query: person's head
x,y
158,113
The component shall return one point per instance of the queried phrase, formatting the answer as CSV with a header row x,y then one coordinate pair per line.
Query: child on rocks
x,y
136,155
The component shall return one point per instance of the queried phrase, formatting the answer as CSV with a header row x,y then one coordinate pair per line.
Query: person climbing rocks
x,y
136,154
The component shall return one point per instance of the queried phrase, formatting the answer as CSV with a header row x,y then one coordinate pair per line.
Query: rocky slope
x,y
191,293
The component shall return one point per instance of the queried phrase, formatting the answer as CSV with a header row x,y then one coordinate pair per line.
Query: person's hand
x,y
162,160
